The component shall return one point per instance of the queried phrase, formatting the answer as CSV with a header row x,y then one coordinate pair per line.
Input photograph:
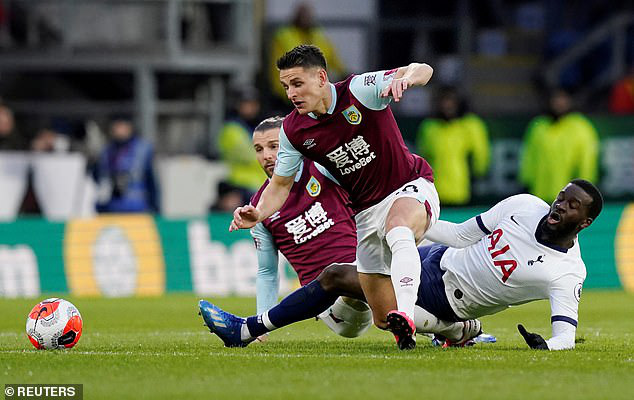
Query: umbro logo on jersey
x,y
310,143
275,216
539,259
513,219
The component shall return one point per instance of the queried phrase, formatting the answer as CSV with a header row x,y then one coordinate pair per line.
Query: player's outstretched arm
x,y
472,230
272,199
267,277
415,74
455,235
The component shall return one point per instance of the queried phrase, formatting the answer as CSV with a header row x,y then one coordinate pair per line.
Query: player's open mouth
x,y
554,218
298,104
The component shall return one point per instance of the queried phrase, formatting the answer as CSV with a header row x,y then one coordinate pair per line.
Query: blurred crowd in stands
x,y
559,144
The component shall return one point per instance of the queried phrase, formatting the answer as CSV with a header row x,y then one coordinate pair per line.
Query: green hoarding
x,y
200,255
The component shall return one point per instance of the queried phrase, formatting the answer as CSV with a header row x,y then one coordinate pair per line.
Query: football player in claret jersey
x,y
348,128
316,233
519,251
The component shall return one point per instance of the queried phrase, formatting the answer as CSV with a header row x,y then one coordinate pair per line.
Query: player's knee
x,y
336,277
407,212
394,222
416,224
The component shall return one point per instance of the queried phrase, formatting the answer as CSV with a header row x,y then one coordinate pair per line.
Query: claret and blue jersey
x,y
357,141
313,229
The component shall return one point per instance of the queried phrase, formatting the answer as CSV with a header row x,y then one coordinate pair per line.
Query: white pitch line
x,y
240,354
248,355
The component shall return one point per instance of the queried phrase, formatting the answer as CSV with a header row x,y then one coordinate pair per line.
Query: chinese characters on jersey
x,y
310,224
352,156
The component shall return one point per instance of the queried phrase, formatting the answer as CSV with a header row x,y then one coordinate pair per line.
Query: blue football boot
x,y
225,325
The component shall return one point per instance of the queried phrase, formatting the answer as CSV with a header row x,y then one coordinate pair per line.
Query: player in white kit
x,y
518,251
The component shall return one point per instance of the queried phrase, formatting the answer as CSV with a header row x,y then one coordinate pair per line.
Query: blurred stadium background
x,y
179,70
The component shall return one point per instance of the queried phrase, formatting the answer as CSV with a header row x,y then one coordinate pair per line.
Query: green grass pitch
x,y
157,348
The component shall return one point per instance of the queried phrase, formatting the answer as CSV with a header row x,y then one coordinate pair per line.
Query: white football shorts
x,y
373,253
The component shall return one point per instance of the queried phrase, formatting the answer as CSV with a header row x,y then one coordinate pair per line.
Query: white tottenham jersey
x,y
508,265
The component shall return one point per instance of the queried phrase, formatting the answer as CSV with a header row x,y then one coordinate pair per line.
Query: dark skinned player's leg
x,y
343,280
310,300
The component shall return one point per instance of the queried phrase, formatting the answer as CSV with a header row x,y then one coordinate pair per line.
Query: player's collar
x,y
331,109
549,245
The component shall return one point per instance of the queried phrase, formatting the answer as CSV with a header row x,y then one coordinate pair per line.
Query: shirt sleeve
x,y
288,158
326,173
564,295
487,221
472,230
455,235
267,279
367,88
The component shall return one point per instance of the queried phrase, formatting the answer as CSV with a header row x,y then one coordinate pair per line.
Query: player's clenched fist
x,y
244,218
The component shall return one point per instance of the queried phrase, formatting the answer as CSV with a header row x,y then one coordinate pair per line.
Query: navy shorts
x,y
431,292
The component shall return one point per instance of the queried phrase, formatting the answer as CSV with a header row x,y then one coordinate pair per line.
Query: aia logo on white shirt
x,y
506,264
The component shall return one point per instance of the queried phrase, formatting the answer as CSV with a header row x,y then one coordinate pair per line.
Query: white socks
x,y
348,317
262,319
245,335
426,322
405,268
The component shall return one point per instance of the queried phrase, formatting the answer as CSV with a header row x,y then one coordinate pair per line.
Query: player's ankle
x,y
454,332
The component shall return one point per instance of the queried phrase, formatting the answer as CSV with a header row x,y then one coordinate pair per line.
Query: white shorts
x,y
373,253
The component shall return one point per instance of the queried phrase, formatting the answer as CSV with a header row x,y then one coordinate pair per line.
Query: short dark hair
x,y
269,123
592,191
304,55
